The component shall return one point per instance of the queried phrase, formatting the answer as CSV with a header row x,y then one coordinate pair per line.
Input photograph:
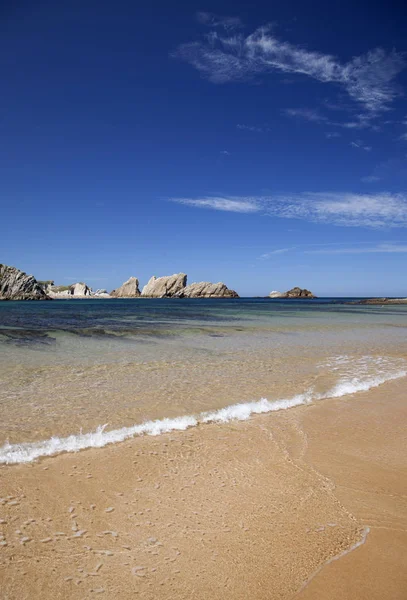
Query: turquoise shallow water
x,y
67,365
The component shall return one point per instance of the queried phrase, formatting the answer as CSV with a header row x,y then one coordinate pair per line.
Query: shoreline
x,y
246,509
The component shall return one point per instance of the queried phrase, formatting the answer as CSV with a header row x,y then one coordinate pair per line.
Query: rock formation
x,y
205,289
76,291
80,289
296,293
17,285
165,287
129,289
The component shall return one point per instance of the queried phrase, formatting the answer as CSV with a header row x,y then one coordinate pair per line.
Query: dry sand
x,y
264,509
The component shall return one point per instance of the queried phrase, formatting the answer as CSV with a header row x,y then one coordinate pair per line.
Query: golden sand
x,y
270,508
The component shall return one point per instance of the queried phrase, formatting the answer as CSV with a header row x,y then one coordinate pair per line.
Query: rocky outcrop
x,y
74,291
129,289
295,293
165,287
80,289
205,289
17,285
382,301
101,294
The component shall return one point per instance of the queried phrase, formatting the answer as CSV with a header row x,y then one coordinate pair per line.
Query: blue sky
x,y
261,144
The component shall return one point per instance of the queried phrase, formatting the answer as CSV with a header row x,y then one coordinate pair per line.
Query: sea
x,y
76,374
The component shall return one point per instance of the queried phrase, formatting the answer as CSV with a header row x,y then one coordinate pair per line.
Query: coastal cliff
x,y
17,285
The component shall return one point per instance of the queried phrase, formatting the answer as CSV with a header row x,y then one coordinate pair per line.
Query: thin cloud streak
x,y
359,144
236,205
345,209
379,249
368,79
278,251
254,128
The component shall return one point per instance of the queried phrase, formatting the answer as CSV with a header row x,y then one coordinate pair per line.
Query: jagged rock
x,y
101,294
129,289
205,289
80,289
66,292
165,287
17,285
276,294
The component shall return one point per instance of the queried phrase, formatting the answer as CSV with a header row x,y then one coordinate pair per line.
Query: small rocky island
x,y
17,285
295,293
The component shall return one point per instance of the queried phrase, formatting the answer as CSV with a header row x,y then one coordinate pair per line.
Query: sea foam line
x,y
28,452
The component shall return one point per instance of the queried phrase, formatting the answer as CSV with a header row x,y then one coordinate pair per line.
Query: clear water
x,y
72,365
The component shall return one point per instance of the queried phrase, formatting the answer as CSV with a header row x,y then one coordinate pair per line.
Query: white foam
x,y
28,452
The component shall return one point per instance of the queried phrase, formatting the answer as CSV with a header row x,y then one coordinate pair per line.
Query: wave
x,y
29,452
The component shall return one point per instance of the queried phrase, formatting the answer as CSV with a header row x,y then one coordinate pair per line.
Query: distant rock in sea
x,y
295,292
165,287
17,285
205,289
129,289
382,301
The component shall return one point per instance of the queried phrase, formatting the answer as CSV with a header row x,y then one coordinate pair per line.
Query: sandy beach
x,y
302,503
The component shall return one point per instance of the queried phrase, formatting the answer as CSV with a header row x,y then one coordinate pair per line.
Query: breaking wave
x,y
28,452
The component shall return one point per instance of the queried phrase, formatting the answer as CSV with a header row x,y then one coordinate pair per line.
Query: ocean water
x,y
84,373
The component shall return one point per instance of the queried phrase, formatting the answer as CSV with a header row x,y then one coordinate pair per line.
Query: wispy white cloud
x,y
332,134
278,251
309,114
228,204
346,209
368,79
254,128
338,208
378,249
225,152
359,144
212,20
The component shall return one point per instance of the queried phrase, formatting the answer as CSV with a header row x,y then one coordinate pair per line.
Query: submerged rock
x,y
17,285
205,289
165,287
129,289
382,301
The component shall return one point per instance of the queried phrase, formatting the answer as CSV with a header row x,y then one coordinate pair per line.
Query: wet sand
x,y
264,509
